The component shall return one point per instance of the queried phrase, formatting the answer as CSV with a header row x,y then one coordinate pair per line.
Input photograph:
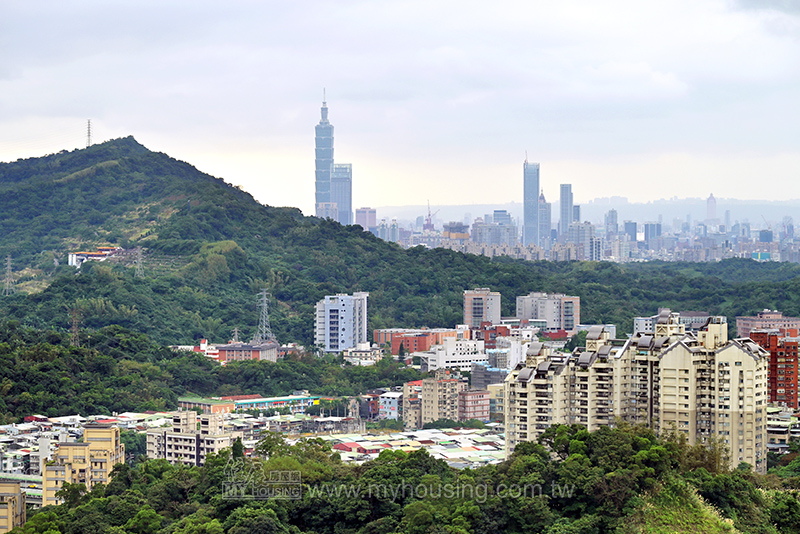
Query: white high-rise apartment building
x,y
559,310
481,304
341,322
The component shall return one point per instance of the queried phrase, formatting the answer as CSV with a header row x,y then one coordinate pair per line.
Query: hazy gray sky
x,y
430,100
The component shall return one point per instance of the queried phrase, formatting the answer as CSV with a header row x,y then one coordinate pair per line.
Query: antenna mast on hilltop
x,y
139,269
264,331
88,133
9,280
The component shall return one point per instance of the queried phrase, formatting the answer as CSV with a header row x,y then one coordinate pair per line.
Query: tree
x,y
71,494
237,450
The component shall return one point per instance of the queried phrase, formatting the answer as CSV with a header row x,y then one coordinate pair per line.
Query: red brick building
x,y
783,364
413,342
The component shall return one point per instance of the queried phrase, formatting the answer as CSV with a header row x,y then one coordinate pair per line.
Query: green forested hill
x,y
211,247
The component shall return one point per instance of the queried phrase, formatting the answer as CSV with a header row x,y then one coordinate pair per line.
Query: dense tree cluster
x,y
622,480
119,370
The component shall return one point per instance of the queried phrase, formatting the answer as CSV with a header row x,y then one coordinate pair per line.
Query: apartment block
x,y
190,440
559,311
473,404
390,405
481,305
412,405
439,396
765,319
496,400
698,383
341,322
453,354
783,365
89,463
12,505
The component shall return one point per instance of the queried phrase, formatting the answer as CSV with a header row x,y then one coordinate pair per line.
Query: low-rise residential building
x,y
294,403
12,505
390,405
452,354
89,462
189,440
363,354
239,351
473,404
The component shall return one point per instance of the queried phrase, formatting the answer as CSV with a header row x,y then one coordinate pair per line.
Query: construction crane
x,y
429,219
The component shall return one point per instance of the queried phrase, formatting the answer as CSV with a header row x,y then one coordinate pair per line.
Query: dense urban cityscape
x,y
541,236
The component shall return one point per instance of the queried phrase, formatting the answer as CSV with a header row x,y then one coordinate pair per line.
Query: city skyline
x,y
699,95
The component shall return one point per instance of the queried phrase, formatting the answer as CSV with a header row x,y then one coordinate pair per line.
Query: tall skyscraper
x,y
530,195
333,182
342,191
323,163
566,209
545,222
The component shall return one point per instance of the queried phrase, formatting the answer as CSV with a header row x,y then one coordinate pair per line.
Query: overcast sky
x,y
430,100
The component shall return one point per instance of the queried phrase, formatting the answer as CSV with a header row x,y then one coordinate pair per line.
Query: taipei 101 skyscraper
x,y
334,182
324,165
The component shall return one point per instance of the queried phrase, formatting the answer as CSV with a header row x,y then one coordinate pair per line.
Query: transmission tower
x,y
88,133
9,280
235,335
264,331
74,337
139,267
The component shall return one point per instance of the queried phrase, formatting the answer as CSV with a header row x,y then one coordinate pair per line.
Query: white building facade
x,y
341,322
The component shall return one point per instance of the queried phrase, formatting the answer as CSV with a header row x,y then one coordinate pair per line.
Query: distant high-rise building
x,y
341,322
581,234
576,213
545,222
502,217
366,218
566,209
342,191
333,182
323,163
612,226
711,208
631,230
652,231
530,194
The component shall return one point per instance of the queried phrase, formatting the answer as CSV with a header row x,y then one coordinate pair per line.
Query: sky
x,y
431,100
